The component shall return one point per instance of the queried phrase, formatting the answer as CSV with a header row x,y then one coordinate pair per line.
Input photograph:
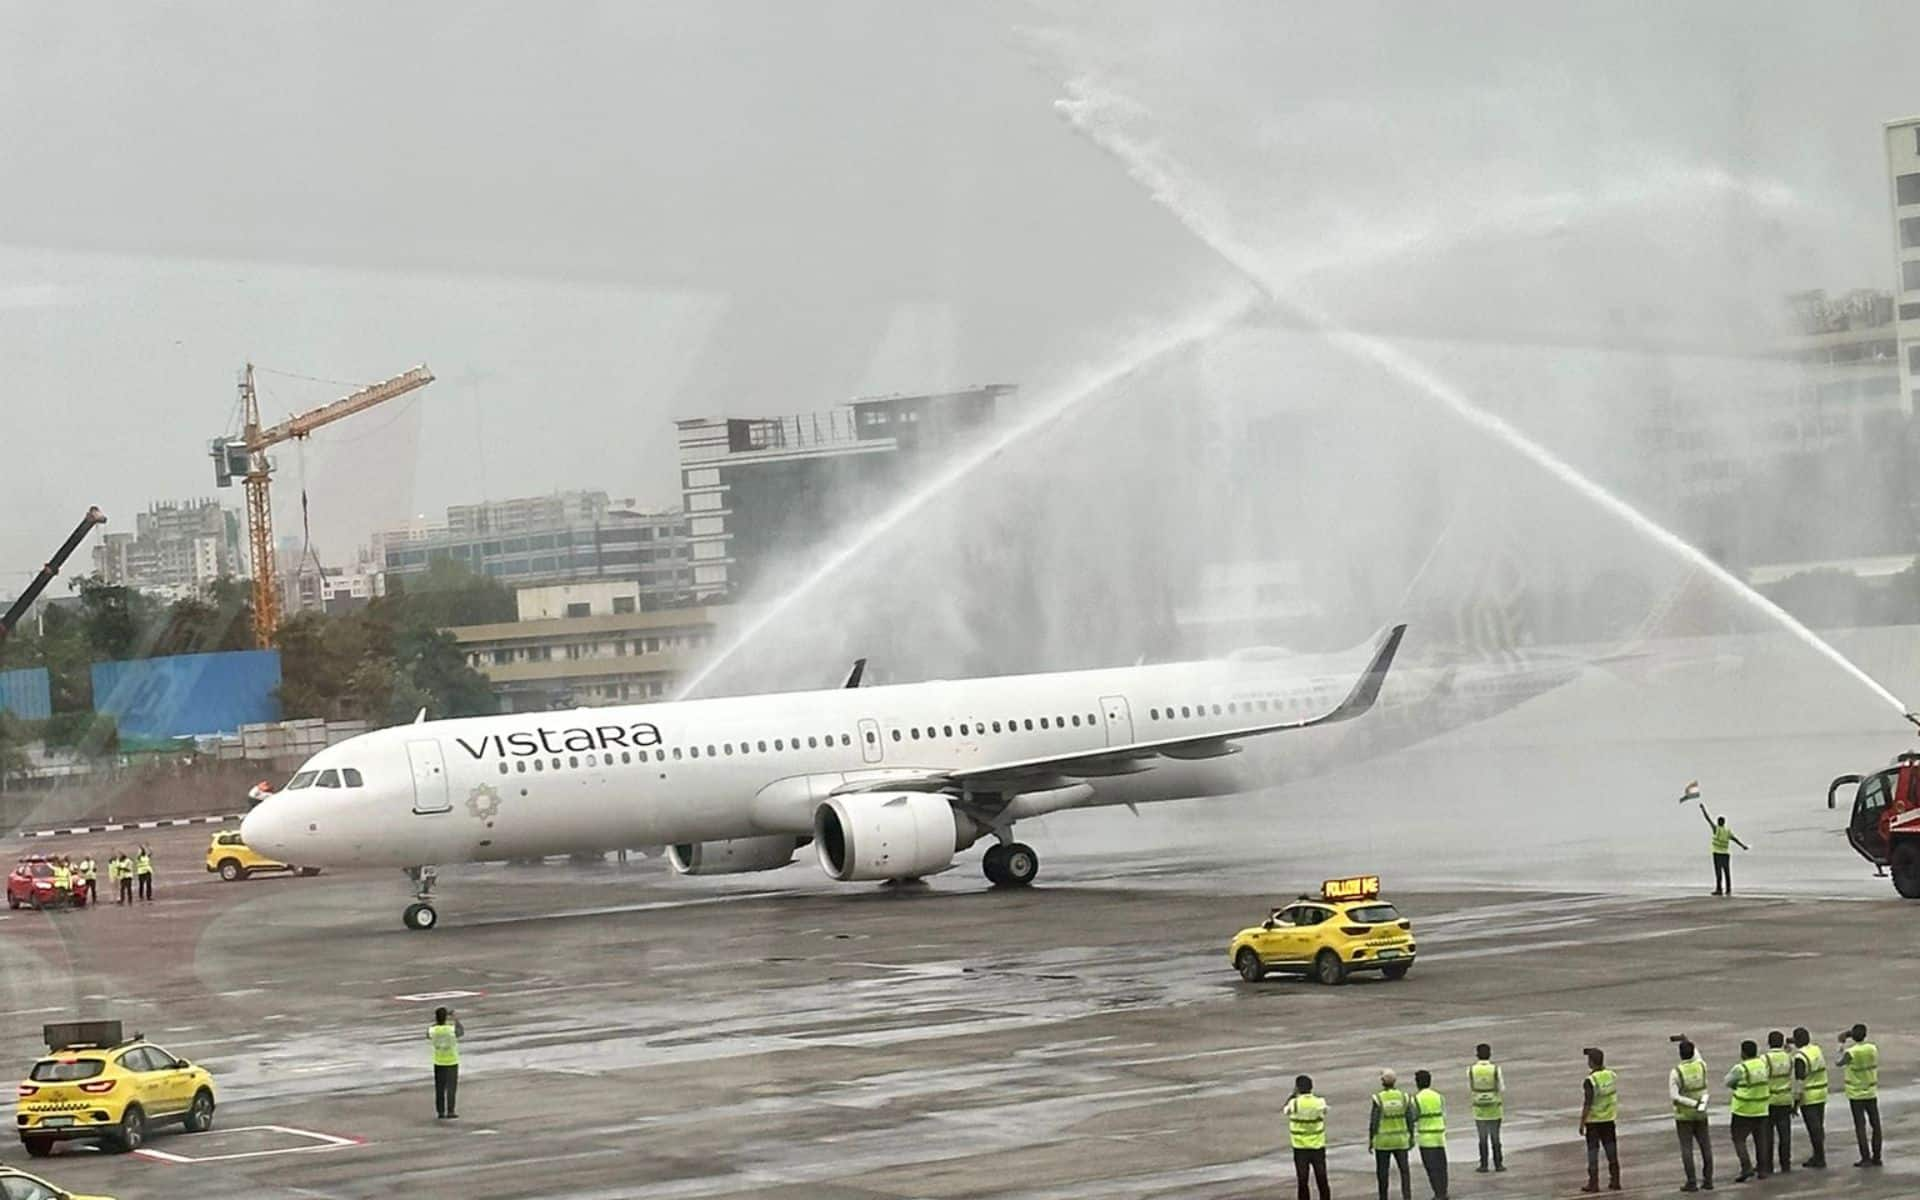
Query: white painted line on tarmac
x,y
319,1142
425,997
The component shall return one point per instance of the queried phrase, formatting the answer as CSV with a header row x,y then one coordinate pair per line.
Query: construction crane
x,y
245,458
12,616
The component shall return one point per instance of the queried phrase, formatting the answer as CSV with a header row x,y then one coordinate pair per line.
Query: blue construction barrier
x,y
26,694
188,694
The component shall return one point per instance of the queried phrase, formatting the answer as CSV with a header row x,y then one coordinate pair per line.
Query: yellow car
x,y
18,1185
234,859
1348,928
96,1086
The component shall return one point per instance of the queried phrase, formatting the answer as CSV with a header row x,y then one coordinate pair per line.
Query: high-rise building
x,y
1903,188
176,547
569,537
755,487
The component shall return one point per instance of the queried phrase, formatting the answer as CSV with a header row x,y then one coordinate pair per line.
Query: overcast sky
x,y
591,219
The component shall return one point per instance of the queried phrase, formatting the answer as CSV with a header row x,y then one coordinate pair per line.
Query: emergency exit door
x,y
1119,720
869,740
429,777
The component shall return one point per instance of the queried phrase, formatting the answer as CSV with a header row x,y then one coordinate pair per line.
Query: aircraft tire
x,y
1906,868
420,916
1020,865
993,864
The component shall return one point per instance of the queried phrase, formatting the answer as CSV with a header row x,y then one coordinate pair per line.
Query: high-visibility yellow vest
x,y
1484,1079
1814,1087
1307,1123
1779,1078
1606,1096
446,1046
1722,840
1863,1071
1693,1085
143,865
1393,1133
1430,1118
61,878
86,869
1751,1092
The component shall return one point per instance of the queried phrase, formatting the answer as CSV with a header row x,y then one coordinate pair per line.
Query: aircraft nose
x,y
266,828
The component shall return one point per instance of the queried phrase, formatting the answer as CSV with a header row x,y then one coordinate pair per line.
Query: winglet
x,y
853,676
1367,690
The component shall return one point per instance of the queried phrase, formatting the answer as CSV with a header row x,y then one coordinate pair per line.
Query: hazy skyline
x,y
592,219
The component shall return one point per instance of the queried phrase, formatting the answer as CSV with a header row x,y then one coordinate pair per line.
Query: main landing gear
x,y
420,914
1010,864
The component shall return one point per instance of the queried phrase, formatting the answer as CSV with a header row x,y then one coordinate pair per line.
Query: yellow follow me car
x,y
234,859
18,1185
97,1086
1349,928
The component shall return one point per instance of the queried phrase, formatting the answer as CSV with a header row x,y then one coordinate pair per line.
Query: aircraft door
x,y
1119,720
429,777
869,740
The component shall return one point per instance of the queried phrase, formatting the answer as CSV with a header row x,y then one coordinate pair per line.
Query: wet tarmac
x,y
635,1035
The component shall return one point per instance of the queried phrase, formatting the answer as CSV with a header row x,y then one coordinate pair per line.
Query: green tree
x,y
14,739
119,622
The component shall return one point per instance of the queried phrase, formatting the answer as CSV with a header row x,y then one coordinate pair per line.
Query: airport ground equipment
x,y
47,572
245,458
1884,826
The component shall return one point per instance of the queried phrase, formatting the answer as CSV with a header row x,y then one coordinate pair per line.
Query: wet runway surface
x,y
774,1035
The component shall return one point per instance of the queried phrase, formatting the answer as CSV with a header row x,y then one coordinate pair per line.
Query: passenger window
x,y
676,752
947,729
1076,719
625,757
328,779
727,748
762,747
521,766
779,743
710,753
1030,722
539,764
896,735
503,768
813,743
303,779
352,777
869,737
916,733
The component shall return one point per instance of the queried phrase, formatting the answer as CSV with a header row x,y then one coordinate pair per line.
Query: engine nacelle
x,y
889,835
735,856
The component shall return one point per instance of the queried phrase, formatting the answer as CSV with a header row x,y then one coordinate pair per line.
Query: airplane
x,y
887,783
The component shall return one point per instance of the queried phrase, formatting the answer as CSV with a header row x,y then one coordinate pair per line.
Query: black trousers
x,y
1757,1130
1815,1116
1866,1112
446,1088
1780,1151
1434,1159
1314,1162
1723,873
1692,1134
126,890
1600,1135
1383,1161
146,886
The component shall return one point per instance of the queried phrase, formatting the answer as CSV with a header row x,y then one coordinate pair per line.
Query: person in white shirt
x,y
1687,1088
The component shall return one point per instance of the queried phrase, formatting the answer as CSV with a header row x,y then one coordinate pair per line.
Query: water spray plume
x,y
1061,400
1173,186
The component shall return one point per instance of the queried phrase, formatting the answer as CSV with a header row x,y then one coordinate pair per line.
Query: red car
x,y
31,886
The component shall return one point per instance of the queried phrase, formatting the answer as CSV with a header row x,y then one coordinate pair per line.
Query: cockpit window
x,y
303,779
351,776
328,779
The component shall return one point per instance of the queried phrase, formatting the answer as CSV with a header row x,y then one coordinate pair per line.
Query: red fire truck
x,y
1884,827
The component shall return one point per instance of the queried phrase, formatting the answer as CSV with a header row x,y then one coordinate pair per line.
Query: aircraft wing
x,y
1060,769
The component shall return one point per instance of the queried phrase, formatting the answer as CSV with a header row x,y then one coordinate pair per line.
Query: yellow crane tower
x,y
245,458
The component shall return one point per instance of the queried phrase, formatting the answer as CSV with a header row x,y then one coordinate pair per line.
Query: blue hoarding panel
x,y
189,694
25,694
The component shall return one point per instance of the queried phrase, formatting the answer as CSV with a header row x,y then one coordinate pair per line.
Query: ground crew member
x,y
1810,1094
87,880
1489,1090
1430,1132
1390,1134
1599,1110
126,876
445,1037
143,871
1307,1131
1751,1089
1860,1070
1687,1087
1779,1103
1722,853
62,882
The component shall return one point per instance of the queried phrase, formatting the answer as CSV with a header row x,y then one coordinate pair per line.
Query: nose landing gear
x,y
420,914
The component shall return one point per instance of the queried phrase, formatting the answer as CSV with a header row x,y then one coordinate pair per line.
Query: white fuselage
x,y
697,771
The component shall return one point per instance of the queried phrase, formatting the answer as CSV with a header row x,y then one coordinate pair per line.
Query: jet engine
x,y
889,835
735,856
